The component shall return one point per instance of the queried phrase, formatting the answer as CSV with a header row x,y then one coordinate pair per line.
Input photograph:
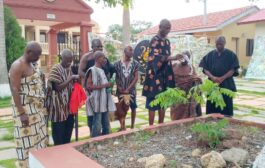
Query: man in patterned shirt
x,y
126,79
159,73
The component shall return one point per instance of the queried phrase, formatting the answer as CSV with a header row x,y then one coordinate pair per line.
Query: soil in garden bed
x,y
176,143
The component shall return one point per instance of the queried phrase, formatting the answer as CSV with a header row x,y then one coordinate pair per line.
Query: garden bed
x,y
176,142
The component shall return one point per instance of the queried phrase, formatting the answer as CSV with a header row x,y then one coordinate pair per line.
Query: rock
x,y
232,143
131,159
186,166
213,160
196,153
260,159
155,161
116,143
235,155
244,139
188,137
142,160
99,147
232,134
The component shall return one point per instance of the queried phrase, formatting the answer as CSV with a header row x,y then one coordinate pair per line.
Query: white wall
x,y
260,29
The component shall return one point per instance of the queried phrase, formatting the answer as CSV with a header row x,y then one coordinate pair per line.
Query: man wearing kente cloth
x,y
59,89
30,131
159,73
220,65
185,77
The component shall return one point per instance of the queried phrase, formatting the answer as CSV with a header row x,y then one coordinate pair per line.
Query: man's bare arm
x,y
15,82
82,66
134,81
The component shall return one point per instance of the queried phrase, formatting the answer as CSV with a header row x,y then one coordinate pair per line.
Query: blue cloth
x,y
100,122
147,105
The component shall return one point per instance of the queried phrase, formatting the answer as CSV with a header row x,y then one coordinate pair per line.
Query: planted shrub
x,y
212,133
199,93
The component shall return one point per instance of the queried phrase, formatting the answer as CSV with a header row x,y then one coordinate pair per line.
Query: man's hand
x,y
220,80
75,77
24,118
110,84
176,57
126,91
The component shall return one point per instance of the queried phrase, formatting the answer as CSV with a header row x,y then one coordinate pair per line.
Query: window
x,y
43,37
62,37
249,47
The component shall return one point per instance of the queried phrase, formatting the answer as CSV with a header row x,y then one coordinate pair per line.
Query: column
x,y
52,42
84,29
23,31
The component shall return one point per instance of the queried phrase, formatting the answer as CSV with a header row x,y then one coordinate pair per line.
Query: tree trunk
x,y
4,83
126,35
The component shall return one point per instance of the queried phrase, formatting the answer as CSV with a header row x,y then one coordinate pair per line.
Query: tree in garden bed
x,y
209,90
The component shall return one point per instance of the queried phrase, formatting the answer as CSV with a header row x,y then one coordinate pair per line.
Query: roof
x,y
69,5
256,17
216,21
60,11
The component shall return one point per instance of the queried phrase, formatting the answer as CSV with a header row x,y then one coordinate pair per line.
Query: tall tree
x,y
15,43
126,4
115,30
4,87
126,34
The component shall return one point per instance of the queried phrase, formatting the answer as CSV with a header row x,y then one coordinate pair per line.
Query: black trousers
x,y
62,131
227,111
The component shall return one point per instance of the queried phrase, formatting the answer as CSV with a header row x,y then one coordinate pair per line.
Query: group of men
x,y
33,104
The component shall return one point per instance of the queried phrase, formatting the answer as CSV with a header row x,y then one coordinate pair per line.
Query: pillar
x,y
84,29
23,31
52,42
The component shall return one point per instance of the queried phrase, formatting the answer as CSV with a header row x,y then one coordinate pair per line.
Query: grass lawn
x,y
5,102
9,126
10,163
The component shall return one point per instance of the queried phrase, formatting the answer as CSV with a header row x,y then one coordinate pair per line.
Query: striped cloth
x,y
58,102
99,101
125,75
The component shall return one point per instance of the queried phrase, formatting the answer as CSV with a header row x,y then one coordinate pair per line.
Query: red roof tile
x,y
256,17
68,5
196,22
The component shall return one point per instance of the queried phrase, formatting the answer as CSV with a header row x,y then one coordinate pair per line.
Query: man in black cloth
x,y
221,65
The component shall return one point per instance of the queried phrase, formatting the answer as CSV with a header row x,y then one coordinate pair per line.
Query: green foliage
x,y
111,52
5,102
212,92
114,3
208,90
15,44
210,132
173,163
115,30
143,136
170,97
7,137
10,163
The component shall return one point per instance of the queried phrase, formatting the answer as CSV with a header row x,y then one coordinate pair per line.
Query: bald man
x,y
126,79
60,84
88,60
221,65
159,73
28,102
